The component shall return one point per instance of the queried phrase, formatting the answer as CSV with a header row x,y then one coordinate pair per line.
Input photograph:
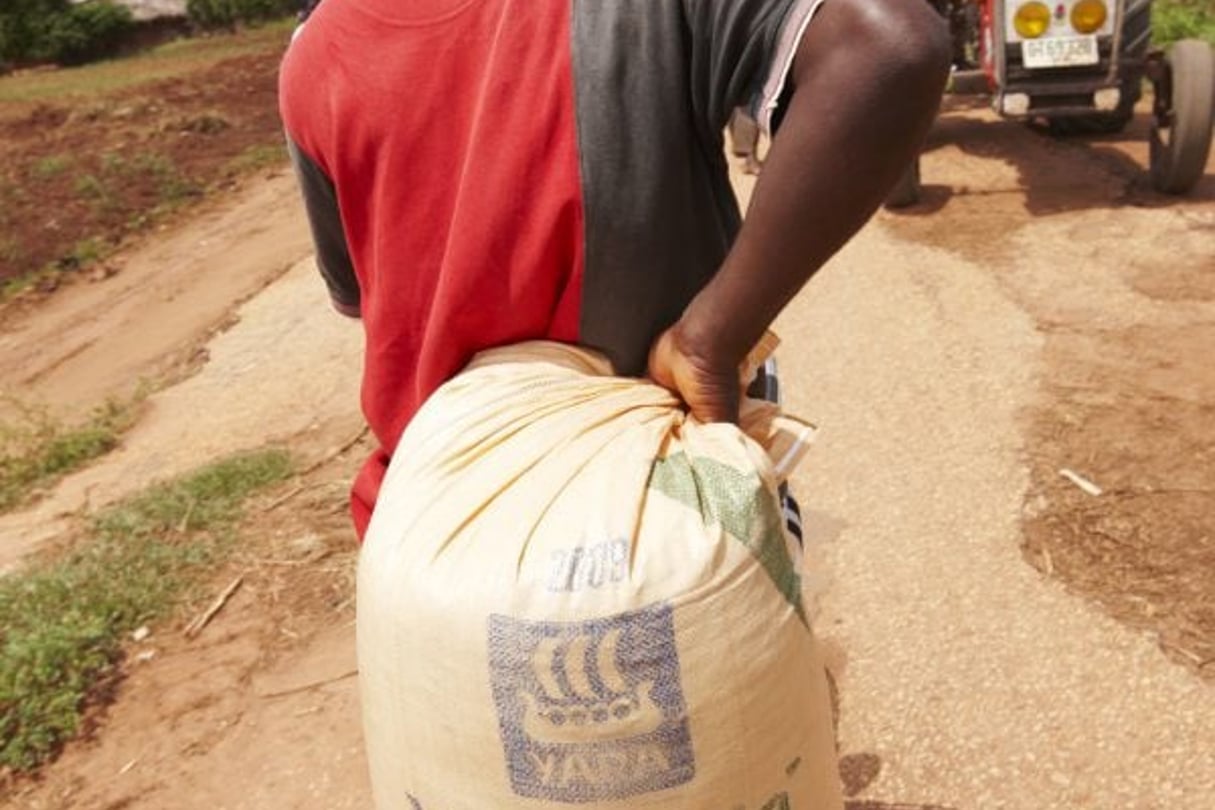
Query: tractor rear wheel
x,y
1180,143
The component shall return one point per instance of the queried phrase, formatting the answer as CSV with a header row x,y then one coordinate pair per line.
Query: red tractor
x,y
1079,66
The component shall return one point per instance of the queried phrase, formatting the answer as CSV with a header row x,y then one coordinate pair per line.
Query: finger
x,y
717,401
660,362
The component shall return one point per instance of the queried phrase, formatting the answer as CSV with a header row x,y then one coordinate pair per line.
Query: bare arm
x,y
866,82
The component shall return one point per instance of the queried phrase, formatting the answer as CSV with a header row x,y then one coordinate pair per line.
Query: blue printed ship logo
x,y
584,696
591,711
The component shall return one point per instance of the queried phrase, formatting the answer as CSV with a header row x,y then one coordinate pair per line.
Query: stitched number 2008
x,y
585,567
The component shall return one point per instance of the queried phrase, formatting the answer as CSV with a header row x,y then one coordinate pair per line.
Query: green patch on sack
x,y
739,503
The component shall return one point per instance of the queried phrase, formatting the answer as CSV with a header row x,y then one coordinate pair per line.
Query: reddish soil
x,y
78,180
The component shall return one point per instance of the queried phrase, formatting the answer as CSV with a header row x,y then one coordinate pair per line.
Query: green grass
x,y
260,156
52,166
209,123
12,287
172,187
101,191
97,192
1183,19
176,58
84,253
35,451
12,192
62,623
10,252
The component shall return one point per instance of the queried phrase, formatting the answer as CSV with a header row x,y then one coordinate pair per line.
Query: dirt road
x,y
1024,319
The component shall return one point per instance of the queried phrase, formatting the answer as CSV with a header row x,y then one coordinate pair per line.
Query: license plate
x,y
1060,52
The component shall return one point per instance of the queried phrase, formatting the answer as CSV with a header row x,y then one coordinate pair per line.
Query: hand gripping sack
x,y
572,594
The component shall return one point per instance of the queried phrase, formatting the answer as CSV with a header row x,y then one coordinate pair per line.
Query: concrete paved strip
x,y
289,365
976,682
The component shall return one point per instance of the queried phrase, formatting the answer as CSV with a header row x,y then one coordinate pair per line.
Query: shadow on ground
x,y
1054,174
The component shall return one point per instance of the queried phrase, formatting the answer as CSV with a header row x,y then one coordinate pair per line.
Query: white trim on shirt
x,y
786,48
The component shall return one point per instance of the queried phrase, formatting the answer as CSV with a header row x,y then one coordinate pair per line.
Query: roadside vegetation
x,y
64,621
37,450
179,58
73,32
1183,19
59,31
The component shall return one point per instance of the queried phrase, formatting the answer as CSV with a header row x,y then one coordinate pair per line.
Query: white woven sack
x,y
572,594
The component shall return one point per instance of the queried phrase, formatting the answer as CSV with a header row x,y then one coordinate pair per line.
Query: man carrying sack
x,y
577,586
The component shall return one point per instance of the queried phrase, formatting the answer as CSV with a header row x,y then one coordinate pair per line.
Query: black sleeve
x,y
741,52
324,218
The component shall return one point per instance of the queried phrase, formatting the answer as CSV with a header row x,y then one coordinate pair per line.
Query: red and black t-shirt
x,y
482,172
